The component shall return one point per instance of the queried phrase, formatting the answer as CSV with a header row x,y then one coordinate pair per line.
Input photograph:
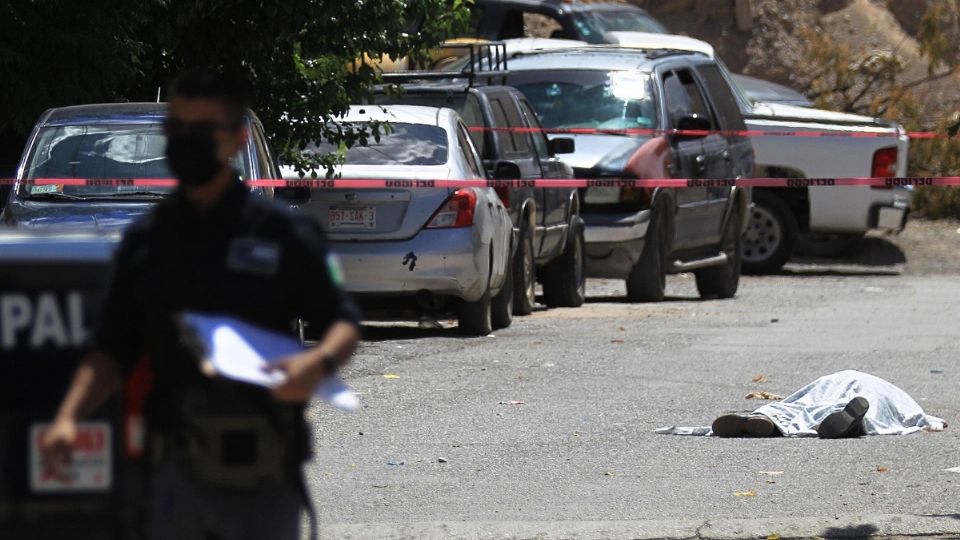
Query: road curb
x,y
850,526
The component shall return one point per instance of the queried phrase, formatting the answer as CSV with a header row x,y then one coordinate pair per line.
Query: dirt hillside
x,y
768,42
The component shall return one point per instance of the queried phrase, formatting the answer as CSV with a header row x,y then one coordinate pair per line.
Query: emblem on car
x,y
350,196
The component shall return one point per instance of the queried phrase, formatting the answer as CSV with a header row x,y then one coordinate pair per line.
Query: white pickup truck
x,y
816,220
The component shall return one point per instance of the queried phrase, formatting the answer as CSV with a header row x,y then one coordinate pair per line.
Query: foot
x,y
740,425
845,423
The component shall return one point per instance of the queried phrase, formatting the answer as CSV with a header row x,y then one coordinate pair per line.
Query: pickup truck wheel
x,y
524,274
564,278
723,281
502,306
475,318
770,236
647,281
825,245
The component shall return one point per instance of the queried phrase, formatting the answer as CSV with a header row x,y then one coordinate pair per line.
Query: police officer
x,y
224,458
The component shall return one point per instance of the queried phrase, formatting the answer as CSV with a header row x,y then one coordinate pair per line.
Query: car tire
x,y
524,273
723,281
824,245
564,278
502,305
476,318
647,281
771,234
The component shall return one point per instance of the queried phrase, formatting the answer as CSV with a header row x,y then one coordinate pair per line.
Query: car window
x,y
469,151
401,144
520,23
683,97
727,109
539,138
593,24
466,105
473,117
273,170
103,152
263,156
584,98
521,142
504,138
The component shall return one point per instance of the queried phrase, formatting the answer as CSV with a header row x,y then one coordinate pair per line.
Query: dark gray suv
x,y
640,235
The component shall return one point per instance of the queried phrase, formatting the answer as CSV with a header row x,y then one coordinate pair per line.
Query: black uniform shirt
x,y
246,257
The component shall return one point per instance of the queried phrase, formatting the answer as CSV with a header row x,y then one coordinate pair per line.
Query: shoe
x,y
739,425
845,423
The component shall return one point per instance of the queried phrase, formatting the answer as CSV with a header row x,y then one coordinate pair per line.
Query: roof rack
x,y
487,63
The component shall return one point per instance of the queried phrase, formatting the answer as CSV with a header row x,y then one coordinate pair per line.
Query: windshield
x,y
101,152
593,24
404,144
590,99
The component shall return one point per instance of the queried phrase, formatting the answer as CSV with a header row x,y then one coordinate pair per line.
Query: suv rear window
x,y
404,144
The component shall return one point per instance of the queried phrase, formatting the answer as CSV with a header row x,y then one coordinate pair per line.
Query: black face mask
x,y
193,158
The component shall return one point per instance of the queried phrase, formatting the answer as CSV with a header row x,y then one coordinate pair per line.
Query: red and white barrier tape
x,y
559,183
916,135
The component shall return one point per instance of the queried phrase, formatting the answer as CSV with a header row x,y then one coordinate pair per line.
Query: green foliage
x,y
298,54
64,52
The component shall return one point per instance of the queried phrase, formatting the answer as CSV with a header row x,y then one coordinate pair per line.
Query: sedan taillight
x,y
457,211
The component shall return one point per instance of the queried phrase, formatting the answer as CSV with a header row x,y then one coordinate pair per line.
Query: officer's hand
x,y
56,448
304,371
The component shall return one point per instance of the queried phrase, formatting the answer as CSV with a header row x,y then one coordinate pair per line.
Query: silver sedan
x,y
406,252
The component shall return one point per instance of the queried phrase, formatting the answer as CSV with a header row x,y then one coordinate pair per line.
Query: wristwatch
x,y
331,363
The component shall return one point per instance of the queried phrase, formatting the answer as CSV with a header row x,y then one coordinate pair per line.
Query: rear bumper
x,y
857,210
445,262
614,242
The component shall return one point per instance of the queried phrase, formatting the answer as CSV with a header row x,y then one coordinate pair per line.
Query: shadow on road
x,y
623,300
872,251
390,333
864,531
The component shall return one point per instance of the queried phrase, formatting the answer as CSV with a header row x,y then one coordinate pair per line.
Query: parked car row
x,y
475,252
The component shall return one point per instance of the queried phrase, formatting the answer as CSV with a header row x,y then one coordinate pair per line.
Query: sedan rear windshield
x,y
402,144
100,152
589,99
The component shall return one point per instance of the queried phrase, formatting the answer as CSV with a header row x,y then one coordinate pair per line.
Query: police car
x,y
51,285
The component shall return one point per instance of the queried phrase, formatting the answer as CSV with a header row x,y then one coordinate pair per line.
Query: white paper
x,y
243,352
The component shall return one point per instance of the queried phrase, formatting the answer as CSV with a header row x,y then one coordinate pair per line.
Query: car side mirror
x,y
694,122
562,145
292,195
506,170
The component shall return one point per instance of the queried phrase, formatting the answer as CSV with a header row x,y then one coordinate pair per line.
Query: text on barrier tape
x,y
557,183
919,135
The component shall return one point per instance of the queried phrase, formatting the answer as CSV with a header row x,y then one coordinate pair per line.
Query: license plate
x,y
352,217
92,462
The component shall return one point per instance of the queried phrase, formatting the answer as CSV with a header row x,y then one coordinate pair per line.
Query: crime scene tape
x,y
916,135
556,183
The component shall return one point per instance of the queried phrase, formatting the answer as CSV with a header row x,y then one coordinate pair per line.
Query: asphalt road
x,y
442,448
